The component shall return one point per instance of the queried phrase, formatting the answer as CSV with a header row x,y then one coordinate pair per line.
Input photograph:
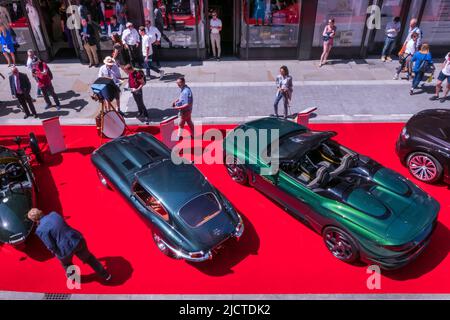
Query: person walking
x,y
118,54
136,81
443,75
89,41
159,22
130,39
284,90
154,32
215,26
421,61
31,56
147,53
392,30
114,26
44,76
184,105
112,71
20,88
65,242
405,57
7,44
328,35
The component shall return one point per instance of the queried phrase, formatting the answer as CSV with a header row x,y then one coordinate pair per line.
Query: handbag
x,y
402,50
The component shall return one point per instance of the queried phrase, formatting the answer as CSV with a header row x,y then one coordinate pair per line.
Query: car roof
x,y
173,184
438,117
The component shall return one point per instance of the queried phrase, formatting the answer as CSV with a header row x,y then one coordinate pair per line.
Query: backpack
x,y
142,75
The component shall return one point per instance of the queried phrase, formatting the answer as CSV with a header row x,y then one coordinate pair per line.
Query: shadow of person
x,y
119,268
432,256
34,249
68,95
232,253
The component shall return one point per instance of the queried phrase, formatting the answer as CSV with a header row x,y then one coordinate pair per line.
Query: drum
x,y
113,124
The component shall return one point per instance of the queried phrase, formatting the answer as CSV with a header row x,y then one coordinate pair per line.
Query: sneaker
x,y
218,59
383,58
434,98
26,116
35,116
389,59
161,74
411,92
395,77
442,100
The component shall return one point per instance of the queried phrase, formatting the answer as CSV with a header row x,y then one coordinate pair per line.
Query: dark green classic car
x,y
189,218
17,192
363,210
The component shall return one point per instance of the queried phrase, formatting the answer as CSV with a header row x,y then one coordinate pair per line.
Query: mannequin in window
x,y
260,11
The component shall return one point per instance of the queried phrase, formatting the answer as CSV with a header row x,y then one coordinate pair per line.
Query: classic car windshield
x,y
200,209
298,144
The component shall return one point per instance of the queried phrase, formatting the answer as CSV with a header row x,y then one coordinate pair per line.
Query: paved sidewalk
x,y
236,91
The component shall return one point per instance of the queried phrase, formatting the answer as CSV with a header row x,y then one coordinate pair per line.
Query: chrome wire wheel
x,y
424,167
235,170
340,244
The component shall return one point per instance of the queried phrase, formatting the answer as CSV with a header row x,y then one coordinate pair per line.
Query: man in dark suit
x,y
89,39
65,242
20,88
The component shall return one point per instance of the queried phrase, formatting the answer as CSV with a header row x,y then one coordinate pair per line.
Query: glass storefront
x,y
435,23
350,19
182,21
389,11
270,23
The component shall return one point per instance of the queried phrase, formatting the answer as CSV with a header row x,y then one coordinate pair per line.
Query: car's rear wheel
x,y
103,180
236,170
424,167
341,244
162,246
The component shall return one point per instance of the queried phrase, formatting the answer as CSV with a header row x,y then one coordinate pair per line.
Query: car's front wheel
x,y
424,167
340,244
236,170
162,246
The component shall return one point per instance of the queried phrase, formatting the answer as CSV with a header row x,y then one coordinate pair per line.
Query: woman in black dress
x,y
117,53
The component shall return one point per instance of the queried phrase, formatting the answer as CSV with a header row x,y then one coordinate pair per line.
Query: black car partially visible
x,y
424,145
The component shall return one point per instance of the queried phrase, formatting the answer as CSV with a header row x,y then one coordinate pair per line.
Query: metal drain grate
x,y
56,296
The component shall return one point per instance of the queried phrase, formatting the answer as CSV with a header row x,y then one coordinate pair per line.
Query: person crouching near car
x,y
421,61
65,242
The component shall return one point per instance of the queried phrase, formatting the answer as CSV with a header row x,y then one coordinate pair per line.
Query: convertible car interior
x,y
323,165
11,172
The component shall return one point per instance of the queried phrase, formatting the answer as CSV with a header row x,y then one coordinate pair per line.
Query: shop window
x,y
177,20
350,19
270,23
389,11
435,23
13,16
414,12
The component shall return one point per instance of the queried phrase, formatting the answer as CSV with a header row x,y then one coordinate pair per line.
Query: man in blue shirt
x,y
184,105
64,242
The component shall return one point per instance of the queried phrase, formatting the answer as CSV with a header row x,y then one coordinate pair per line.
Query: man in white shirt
x,y
154,32
112,71
130,39
215,26
413,28
392,31
443,75
147,53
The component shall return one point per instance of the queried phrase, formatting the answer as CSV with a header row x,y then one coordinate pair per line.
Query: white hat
x,y
109,61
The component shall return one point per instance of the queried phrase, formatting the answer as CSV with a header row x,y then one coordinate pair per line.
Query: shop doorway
x,y
225,10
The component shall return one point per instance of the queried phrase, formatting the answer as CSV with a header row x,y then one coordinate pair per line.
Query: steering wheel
x,y
14,170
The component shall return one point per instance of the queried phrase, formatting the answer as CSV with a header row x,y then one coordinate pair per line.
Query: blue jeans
x,y
388,46
417,78
278,97
149,66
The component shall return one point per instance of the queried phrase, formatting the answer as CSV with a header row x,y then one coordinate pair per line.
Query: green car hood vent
x,y
365,201
391,181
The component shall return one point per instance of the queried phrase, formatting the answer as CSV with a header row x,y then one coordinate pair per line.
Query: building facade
x,y
252,29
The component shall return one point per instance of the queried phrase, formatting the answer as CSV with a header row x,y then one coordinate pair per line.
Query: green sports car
x,y
364,211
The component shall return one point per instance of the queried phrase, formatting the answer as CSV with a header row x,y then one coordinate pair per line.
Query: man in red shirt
x,y
136,83
44,77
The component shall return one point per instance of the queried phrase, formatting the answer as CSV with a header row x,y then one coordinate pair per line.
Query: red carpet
x,y
277,254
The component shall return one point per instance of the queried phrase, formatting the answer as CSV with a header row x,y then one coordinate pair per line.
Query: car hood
x,y
393,207
13,222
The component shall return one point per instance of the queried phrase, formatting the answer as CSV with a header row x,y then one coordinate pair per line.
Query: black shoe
x,y
35,116
411,92
147,121
97,65
90,66
25,116
434,98
218,58
442,100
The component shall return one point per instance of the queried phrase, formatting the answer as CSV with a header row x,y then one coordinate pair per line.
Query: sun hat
x,y
109,61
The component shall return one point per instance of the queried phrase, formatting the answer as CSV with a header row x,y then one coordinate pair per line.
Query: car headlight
x,y
239,230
